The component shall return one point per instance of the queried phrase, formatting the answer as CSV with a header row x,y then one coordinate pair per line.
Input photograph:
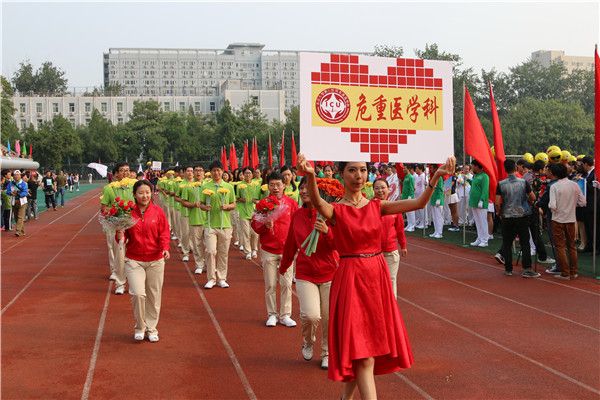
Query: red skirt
x,y
364,320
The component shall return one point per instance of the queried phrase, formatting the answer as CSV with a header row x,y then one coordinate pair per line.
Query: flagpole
x,y
596,144
464,230
595,230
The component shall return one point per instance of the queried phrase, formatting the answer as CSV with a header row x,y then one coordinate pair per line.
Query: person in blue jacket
x,y
18,189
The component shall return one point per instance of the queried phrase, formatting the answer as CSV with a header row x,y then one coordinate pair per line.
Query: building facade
x,y
34,110
185,72
571,63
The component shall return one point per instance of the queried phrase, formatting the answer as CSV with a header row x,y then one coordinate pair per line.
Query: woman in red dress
x,y
367,336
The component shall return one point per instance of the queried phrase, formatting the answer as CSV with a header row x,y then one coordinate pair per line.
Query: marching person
x,y
247,194
367,336
408,192
217,198
272,235
19,191
478,202
49,186
313,274
437,206
147,248
393,233
196,218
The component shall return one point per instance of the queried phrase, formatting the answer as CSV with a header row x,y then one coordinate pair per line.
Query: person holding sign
x,y
367,336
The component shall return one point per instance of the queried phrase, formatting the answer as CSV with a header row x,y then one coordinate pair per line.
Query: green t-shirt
x,y
438,193
217,218
292,194
480,190
108,195
125,193
195,215
249,192
368,191
408,187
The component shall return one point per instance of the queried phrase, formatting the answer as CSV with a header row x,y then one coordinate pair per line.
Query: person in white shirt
x,y
420,184
392,179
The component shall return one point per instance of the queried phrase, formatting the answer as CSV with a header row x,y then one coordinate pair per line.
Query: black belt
x,y
362,255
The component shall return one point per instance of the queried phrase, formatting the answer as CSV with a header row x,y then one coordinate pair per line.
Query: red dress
x,y
364,319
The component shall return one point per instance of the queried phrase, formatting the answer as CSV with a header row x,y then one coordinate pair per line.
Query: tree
x,y
99,140
24,79
56,142
145,132
385,50
7,110
48,80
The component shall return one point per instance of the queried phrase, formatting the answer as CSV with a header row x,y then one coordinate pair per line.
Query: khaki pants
x,y
145,288
235,223
110,238
197,242
270,264
19,213
392,259
185,235
118,249
314,308
217,242
248,238
177,219
563,236
168,211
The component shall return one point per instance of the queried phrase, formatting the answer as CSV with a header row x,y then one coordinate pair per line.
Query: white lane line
x,y
46,266
230,353
414,386
509,350
502,297
410,383
90,374
45,226
502,269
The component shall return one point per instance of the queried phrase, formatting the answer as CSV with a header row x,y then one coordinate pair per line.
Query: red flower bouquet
x,y
331,190
118,217
269,209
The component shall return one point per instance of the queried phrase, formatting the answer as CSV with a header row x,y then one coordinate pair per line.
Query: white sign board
x,y
156,165
377,109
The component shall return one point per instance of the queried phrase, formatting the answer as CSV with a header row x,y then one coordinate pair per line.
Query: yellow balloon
x,y
542,156
572,158
555,156
529,158
565,155
149,163
579,157
552,148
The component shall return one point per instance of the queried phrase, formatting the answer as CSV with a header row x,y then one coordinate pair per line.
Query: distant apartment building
x,y
192,72
33,110
547,57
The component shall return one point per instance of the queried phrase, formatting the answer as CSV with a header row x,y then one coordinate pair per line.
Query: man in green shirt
x,y
248,194
437,205
116,250
408,192
180,191
196,218
217,198
478,201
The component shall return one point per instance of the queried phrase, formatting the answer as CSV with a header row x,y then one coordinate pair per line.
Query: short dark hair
x,y
121,164
510,166
198,166
274,176
588,160
477,163
520,162
559,170
215,164
538,165
247,168
139,183
382,180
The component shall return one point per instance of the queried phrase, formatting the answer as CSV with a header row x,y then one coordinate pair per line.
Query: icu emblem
x,y
333,106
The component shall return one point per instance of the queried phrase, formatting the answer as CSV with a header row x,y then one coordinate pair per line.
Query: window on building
x,y
55,108
254,100
103,107
119,107
38,107
72,121
22,107
182,106
197,106
87,121
119,120
72,107
88,107
23,123
167,106
213,106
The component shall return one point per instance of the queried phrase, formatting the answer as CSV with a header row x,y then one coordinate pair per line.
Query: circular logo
x,y
333,106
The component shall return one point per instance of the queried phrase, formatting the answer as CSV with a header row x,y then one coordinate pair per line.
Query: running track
x,y
476,334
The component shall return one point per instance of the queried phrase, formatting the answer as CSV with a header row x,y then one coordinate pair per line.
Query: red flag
x,y
245,159
282,150
224,159
270,155
597,113
498,141
30,149
294,154
476,143
18,147
255,154
233,157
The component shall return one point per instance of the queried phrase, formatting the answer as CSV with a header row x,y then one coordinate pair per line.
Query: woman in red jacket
x,y
392,234
146,249
313,274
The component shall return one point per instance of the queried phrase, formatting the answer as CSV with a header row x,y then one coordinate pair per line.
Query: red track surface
x,y
476,334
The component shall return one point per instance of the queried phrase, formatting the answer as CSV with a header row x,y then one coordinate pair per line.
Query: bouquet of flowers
x,y
208,193
118,217
223,192
269,209
331,190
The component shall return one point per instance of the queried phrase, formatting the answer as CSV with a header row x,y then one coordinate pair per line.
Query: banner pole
x,y
464,230
595,233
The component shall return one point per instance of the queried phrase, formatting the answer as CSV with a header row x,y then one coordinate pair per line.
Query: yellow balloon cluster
x,y
553,154
529,158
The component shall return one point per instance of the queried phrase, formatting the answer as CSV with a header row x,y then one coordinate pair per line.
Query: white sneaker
x,y
287,321
482,244
179,245
432,235
410,229
254,255
420,227
548,260
173,237
236,243
491,237
271,321
325,362
437,236
120,289
223,284
185,258
242,249
153,338
210,284
307,351
138,336
113,277
198,270
248,256
475,243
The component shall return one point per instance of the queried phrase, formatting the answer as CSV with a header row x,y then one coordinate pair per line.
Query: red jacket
x,y
147,239
321,265
272,241
392,232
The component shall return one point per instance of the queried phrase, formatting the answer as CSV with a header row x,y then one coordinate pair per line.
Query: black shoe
x,y
529,273
499,258
508,273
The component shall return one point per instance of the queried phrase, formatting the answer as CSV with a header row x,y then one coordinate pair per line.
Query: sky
x,y
74,35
